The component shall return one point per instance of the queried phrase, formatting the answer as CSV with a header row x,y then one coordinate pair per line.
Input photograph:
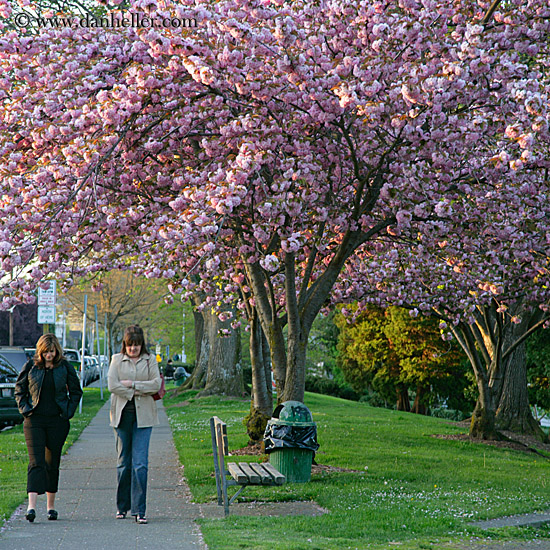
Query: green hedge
x,y
327,386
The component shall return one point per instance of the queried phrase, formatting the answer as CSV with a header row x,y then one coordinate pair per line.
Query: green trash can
x,y
291,440
180,376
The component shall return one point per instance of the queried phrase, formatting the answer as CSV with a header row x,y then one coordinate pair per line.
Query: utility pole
x,y
10,342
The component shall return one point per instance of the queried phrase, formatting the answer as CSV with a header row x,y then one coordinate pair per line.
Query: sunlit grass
x,y
408,486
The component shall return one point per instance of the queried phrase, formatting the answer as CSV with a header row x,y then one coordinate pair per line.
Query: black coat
x,y
67,388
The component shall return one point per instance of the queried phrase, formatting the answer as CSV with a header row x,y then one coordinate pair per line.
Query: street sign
x,y
46,296
46,315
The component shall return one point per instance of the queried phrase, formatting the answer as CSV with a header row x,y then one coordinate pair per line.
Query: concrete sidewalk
x,y
86,500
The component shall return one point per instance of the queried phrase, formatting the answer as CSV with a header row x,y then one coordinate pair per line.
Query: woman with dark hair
x,y
47,392
133,379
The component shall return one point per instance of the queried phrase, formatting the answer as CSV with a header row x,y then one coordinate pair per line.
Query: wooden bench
x,y
243,473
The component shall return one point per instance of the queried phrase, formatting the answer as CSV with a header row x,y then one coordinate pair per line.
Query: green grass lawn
x,y
411,490
14,457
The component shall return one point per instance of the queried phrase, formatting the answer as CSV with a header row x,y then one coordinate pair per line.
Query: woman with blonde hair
x,y
133,379
47,392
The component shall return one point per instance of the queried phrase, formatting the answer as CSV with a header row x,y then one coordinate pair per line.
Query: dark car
x,y
9,413
15,356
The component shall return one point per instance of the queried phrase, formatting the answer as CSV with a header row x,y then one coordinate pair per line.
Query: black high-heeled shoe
x,y
52,515
30,515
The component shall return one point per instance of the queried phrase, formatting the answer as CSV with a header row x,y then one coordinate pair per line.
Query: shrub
x,y
327,386
374,399
448,414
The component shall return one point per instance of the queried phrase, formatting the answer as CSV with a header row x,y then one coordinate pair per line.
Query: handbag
x,y
162,392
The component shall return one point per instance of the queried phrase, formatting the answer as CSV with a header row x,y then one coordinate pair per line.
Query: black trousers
x,y
45,436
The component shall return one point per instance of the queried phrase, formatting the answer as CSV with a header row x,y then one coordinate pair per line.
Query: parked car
x,y
9,413
91,364
72,355
15,356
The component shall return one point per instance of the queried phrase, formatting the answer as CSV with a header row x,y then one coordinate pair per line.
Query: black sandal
x,y
120,515
141,519
52,515
30,515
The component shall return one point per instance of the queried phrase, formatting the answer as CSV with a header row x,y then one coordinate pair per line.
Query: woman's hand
x,y
127,383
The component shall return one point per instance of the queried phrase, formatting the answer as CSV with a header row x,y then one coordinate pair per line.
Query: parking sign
x,y
46,315
46,296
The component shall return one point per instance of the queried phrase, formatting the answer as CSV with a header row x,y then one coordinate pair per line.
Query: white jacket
x,y
146,377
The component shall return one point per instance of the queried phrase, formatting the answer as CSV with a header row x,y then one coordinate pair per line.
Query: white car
x,y
72,354
91,364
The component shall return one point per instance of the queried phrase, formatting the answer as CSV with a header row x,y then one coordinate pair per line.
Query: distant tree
x,y
367,360
26,329
322,345
538,368
125,299
390,352
217,366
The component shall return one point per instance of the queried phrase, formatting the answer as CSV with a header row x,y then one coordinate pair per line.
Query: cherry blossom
x,y
252,155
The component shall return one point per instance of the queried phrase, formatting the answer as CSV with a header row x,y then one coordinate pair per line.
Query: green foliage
x,y
404,487
166,322
323,339
387,351
363,354
327,386
538,368
449,414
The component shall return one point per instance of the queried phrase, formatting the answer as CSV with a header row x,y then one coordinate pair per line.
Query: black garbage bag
x,y
279,436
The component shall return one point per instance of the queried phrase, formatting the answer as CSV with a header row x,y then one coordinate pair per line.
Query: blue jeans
x,y
132,445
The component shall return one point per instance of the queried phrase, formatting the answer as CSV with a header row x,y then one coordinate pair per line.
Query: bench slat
x,y
278,478
237,473
264,474
253,477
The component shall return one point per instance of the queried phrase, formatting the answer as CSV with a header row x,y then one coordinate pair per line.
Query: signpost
x,y
83,349
46,303
46,315
46,296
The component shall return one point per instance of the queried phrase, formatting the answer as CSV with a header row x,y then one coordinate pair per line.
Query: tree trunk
x,y
199,331
486,367
224,374
482,425
262,393
295,381
288,358
513,411
500,372
197,380
261,405
403,403
419,405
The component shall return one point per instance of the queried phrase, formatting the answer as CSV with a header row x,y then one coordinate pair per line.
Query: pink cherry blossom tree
x,y
482,265
260,149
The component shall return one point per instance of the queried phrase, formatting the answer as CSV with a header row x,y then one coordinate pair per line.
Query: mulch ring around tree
x,y
511,440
